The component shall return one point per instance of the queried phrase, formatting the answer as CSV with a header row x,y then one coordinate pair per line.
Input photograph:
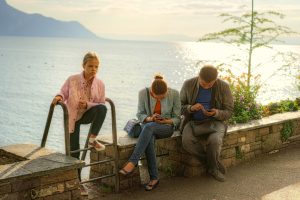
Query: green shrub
x,y
287,130
245,106
106,188
288,106
169,170
280,107
238,153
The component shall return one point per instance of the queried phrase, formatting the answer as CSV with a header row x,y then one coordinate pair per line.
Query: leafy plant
x,y
280,107
169,170
298,80
298,102
106,188
245,106
238,153
288,106
287,130
272,108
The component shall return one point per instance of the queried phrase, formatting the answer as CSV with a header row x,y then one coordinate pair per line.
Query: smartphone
x,y
207,110
159,117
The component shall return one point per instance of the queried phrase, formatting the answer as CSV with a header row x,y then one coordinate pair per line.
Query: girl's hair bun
x,y
159,85
158,76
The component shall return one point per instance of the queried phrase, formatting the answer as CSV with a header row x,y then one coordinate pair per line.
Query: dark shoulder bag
x,y
206,126
134,127
203,127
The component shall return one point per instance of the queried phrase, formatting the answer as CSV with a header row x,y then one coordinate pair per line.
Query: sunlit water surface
x,y
33,70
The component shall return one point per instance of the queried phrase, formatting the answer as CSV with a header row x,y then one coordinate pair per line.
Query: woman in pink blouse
x,y
84,95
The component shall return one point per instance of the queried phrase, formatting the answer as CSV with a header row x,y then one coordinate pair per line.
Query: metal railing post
x,y
66,126
115,143
47,126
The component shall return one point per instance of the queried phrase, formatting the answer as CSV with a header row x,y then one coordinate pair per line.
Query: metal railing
x,y
86,148
66,126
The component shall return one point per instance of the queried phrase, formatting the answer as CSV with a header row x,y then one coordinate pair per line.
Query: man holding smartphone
x,y
206,99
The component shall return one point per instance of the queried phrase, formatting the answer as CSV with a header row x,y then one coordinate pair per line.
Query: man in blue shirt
x,y
206,99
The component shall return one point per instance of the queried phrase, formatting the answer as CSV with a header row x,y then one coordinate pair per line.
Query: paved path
x,y
269,177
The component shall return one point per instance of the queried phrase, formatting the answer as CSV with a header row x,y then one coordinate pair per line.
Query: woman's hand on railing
x,y
56,99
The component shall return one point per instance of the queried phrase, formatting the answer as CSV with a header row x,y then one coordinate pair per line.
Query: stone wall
x,y
54,186
242,142
108,168
41,174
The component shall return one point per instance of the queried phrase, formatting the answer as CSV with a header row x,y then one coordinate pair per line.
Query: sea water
x,y
32,70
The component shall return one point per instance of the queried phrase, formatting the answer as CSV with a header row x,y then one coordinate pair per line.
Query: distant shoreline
x,y
128,40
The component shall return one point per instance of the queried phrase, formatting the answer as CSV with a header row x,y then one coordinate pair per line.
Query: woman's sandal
x,y
149,187
127,173
93,142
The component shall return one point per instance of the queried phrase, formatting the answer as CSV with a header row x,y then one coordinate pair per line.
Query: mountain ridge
x,y
14,22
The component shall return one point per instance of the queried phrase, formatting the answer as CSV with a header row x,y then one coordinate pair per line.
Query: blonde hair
x,y
159,85
88,56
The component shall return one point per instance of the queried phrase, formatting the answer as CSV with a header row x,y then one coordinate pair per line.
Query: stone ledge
x,y
124,140
41,161
266,121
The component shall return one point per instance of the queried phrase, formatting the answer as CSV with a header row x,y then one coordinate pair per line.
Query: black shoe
x,y
222,168
216,174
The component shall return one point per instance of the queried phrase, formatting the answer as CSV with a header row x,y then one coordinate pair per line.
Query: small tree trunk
x,y
250,48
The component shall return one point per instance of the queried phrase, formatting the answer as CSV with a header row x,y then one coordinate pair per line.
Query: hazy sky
x,y
145,19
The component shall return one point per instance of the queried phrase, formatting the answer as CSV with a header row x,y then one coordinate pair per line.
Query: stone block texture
x,y
56,185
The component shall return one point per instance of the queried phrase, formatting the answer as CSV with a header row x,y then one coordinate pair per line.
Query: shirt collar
x,y
82,79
